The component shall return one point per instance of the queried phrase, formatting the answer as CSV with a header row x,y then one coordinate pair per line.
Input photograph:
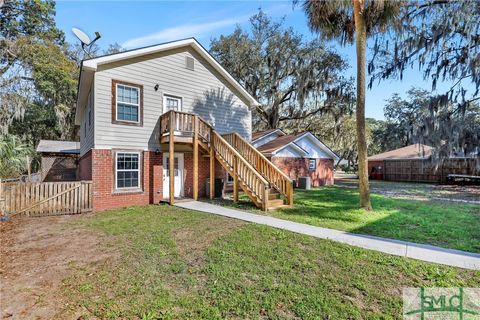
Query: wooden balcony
x,y
183,126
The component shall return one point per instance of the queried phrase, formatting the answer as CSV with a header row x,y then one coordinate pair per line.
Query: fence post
x,y
81,197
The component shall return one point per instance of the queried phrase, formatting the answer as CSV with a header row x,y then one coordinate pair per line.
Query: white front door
x,y
178,170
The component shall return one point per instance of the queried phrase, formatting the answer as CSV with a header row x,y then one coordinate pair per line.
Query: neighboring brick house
x,y
135,108
297,155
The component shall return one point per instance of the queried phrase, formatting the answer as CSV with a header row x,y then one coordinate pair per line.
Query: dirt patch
x,y
36,255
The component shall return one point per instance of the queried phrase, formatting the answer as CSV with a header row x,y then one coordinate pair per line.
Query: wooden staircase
x,y
280,183
264,183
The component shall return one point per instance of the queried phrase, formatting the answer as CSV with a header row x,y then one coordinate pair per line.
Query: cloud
x,y
180,32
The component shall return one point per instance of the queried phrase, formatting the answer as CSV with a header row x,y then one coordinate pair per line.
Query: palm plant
x,y
14,156
349,20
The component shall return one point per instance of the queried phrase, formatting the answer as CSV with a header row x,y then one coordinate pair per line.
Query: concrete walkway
x,y
450,257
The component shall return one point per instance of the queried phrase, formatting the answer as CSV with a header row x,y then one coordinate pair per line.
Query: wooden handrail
x,y
247,172
277,178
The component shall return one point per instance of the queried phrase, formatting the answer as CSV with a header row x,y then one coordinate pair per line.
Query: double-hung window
x,y
128,103
312,164
127,100
127,166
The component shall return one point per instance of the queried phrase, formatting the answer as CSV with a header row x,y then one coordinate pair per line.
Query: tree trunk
x,y
361,43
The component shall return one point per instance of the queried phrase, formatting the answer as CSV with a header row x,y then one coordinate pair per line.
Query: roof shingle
x,y
259,134
278,143
56,146
414,151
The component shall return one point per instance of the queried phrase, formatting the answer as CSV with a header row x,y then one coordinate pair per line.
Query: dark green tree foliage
x,y
379,136
410,120
403,118
23,23
442,40
293,79
35,70
14,156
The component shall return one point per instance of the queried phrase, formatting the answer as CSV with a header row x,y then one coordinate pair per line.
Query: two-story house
x,y
168,110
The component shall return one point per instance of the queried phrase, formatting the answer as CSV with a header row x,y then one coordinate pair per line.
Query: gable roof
x,y
414,151
290,140
91,65
260,134
56,146
321,145
278,143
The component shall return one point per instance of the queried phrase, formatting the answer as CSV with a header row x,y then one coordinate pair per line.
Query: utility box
x,y
218,189
304,183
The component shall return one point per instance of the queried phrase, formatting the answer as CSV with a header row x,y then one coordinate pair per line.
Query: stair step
x,y
278,207
273,196
274,203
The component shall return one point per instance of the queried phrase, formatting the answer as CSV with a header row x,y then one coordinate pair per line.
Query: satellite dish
x,y
85,39
82,36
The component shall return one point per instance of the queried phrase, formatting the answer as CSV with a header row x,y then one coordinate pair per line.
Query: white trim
x,y
320,144
127,103
92,64
302,151
310,164
266,135
138,187
181,172
315,139
171,96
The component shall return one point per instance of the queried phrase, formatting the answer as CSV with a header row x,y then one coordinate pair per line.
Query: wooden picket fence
x,y
45,198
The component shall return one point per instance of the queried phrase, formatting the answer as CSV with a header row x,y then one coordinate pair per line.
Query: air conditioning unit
x,y
304,183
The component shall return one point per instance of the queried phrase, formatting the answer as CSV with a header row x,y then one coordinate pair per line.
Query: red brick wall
x,y
156,174
203,174
105,197
85,166
298,167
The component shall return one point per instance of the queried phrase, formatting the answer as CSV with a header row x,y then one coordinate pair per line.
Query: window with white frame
x,y
127,170
172,103
229,178
312,164
128,103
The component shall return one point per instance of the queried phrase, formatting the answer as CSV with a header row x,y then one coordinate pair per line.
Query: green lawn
x,y
445,224
177,264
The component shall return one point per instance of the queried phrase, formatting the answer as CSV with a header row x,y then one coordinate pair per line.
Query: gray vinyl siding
x,y
203,91
87,142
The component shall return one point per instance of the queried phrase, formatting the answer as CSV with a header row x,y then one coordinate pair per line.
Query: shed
x,y
59,160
